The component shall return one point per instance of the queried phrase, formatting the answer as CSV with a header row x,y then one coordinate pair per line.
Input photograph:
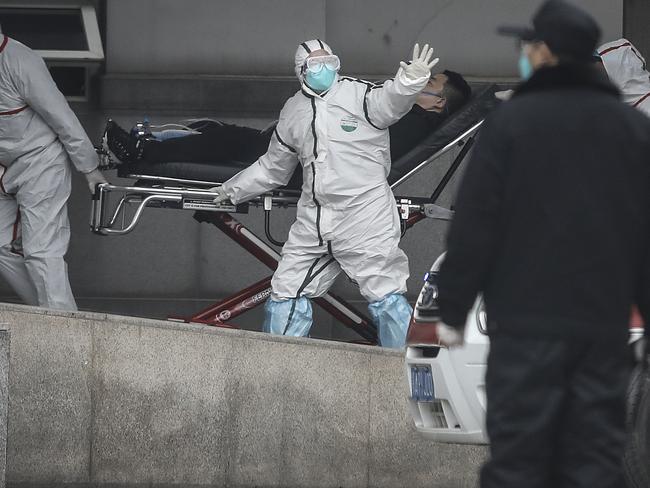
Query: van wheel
x,y
637,450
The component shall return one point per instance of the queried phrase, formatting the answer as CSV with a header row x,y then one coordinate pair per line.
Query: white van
x,y
447,386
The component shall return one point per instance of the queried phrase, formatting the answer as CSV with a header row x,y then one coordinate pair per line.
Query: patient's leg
x,y
163,135
215,144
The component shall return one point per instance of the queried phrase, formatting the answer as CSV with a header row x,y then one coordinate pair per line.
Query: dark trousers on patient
x,y
217,143
556,412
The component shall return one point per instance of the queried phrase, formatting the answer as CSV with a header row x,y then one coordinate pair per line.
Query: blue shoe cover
x,y
291,317
391,315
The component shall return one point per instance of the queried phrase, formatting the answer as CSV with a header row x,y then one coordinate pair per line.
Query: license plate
x,y
421,384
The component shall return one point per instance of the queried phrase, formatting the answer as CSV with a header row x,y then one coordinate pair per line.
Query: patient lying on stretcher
x,y
214,142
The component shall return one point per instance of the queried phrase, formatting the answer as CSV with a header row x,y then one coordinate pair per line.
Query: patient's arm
x,y
271,170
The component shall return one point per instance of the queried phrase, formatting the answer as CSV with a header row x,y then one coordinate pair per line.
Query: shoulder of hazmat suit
x,y
40,113
626,68
340,138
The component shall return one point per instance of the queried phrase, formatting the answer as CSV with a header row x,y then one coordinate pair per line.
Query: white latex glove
x,y
449,336
221,194
94,178
421,64
504,95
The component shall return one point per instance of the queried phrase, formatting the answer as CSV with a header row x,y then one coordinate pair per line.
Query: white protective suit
x,y
39,136
626,68
346,217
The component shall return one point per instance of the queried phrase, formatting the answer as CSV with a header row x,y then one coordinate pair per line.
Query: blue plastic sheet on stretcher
x,y
116,209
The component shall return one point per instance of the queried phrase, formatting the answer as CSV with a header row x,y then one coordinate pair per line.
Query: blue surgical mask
x,y
322,80
525,68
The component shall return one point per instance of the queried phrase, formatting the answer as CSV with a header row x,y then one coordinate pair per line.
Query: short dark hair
x,y
456,91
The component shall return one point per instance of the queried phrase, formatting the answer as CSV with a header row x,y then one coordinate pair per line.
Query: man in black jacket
x,y
552,226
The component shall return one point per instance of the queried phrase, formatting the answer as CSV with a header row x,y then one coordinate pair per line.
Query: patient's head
x,y
445,93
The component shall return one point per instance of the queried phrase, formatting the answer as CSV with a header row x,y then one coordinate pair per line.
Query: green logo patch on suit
x,y
349,124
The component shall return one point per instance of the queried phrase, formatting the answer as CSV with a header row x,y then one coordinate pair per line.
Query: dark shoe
x,y
120,144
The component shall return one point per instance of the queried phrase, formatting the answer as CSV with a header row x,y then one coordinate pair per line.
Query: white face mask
x,y
322,80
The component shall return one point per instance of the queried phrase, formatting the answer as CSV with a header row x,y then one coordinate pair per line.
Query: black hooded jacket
x,y
553,215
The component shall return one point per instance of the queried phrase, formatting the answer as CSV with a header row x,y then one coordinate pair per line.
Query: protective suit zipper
x,y
313,170
318,209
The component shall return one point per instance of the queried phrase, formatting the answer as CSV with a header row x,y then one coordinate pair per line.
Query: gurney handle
x,y
138,213
118,210
433,211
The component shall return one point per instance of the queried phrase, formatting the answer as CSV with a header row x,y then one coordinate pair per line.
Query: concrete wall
x,y
4,399
636,18
374,35
101,400
205,36
259,37
155,46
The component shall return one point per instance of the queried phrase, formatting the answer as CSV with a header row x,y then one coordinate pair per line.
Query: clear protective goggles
x,y
317,63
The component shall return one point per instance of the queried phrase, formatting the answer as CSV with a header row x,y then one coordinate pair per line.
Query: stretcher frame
x,y
165,192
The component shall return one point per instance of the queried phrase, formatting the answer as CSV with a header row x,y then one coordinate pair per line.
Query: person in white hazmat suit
x,y
39,136
336,127
626,68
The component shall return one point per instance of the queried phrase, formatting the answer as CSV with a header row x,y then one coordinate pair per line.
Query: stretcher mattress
x,y
219,171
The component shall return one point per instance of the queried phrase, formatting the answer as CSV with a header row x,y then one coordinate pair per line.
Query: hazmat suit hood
x,y
304,50
626,68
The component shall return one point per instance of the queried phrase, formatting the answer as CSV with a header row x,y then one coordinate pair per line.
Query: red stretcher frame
x,y
256,294
225,310
412,211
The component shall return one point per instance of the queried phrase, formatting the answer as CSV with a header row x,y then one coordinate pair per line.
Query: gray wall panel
x,y
637,16
372,36
206,36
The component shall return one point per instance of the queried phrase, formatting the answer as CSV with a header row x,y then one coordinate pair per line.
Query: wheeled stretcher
x,y
116,210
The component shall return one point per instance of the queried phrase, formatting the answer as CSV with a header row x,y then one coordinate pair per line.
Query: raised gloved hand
x,y
449,336
94,178
221,194
421,64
